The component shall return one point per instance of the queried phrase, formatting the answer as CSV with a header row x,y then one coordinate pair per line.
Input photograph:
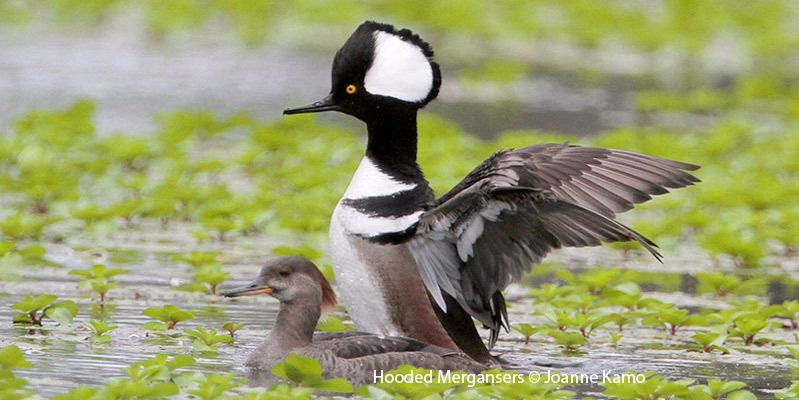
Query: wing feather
x,y
519,205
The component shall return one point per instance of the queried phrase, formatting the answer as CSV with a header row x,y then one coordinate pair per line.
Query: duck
x,y
304,294
408,263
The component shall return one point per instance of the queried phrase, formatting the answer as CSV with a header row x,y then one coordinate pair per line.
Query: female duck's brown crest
x,y
328,295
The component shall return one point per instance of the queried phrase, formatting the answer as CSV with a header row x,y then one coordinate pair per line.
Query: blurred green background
x,y
114,109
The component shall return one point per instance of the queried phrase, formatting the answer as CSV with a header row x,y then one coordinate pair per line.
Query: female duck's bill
x,y
303,292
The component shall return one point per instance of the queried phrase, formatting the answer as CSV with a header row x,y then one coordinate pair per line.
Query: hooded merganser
x,y
412,265
303,293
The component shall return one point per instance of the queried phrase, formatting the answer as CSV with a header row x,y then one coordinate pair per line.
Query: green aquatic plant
x,y
724,284
593,280
213,386
672,318
281,391
11,387
582,303
92,214
789,309
526,330
22,226
548,292
158,368
748,328
98,278
33,310
99,330
653,387
232,327
154,378
6,248
79,393
198,259
790,393
795,353
334,324
208,273
304,250
307,372
628,295
615,338
14,256
710,341
570,341
716,389
167,317
206,340
211,276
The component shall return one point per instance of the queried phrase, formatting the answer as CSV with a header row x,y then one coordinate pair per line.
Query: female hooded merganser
x,y
303,292
411,265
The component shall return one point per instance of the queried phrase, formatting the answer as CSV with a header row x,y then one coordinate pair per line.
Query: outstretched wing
x,y
606,181
518,205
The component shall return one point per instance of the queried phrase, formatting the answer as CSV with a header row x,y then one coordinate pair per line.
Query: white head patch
x,y
399,69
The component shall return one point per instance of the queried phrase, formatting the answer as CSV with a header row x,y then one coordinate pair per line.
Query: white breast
x,y
356,261
357,284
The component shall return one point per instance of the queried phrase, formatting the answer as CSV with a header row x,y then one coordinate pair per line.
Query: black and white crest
x,y
388,62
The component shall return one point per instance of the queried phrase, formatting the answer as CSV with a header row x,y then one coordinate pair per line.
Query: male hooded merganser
x,y
411,265
303,292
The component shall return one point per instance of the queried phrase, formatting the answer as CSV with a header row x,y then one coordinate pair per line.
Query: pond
x,y
237,180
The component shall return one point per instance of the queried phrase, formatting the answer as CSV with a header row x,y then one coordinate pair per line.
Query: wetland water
x,y
65,357
132,82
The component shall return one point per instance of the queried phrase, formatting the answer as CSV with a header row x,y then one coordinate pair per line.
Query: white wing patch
x,y
370,181
399,69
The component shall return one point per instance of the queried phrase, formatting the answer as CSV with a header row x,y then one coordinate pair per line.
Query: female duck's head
x,y
290,279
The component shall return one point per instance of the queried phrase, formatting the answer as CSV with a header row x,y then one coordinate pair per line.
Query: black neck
x,y
392,143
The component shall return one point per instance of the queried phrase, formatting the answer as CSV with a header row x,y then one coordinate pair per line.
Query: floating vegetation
x,y
233,189
34,309
99,330
167,317
98,278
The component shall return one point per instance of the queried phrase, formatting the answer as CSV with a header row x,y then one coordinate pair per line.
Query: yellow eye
x,y
351,89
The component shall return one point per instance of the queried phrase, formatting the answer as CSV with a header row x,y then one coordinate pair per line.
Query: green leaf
x,y
11,357
168,313
31,303
78,393
22,318
98,339
298,369
180,361
336,385
333,324
741,395
154,326
6,247
60,314
99,327
232,327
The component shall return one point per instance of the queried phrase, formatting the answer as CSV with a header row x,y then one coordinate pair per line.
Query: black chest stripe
x,y
392,237
395,205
